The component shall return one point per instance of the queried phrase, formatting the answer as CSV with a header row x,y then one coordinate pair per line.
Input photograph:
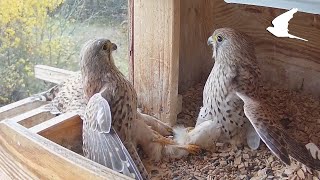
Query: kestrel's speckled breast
x,y
222,102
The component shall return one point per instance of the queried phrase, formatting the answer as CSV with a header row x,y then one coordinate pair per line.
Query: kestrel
x,y
240,103
107,103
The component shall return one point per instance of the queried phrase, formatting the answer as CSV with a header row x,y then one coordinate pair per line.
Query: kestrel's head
x,y
95,62
228,44
96,53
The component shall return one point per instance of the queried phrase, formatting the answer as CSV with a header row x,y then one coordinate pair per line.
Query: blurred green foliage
x,y
51,32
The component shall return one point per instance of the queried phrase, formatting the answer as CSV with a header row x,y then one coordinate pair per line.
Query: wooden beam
x,y
156,56
54,122
25,155
65,130
32,117
51,74
131,40
19,107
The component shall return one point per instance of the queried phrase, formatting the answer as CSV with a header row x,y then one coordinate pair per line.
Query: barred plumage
x,y
102,85
234,97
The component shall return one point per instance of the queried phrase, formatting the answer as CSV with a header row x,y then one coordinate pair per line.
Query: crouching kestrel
x,y
236,99
107,103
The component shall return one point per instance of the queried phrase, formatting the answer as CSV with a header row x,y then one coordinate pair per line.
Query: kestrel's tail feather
x,y
136,158
300,152
263,119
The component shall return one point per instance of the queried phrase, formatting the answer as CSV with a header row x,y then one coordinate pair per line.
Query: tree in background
x,y
49,32
28,35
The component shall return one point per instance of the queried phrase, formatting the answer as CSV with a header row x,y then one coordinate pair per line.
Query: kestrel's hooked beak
x,y
210,41
114,46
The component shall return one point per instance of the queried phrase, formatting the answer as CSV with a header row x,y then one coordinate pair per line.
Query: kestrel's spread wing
x,y
101,143
282,21
265,121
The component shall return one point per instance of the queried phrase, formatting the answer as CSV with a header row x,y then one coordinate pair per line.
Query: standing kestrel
x,y
235,98
107,103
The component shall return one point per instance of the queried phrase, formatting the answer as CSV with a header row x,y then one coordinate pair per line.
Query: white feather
x,y
203,115
314,150
204,135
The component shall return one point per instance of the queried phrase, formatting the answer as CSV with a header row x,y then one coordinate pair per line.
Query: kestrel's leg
x,y
155,145
155,124
190,148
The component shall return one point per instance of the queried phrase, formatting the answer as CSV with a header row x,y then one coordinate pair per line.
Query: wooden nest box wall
x,y
169,51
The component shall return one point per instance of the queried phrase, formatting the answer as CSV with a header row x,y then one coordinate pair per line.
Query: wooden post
x,y
156,33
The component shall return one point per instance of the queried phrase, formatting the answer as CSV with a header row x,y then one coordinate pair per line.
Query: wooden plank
x,y
53,123
195,56
65,130
131,40
25,155
51,74
19,107
156,56
32,117
11,168
284,61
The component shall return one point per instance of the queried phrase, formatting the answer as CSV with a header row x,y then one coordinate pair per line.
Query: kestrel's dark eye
x,y
219,38
105,47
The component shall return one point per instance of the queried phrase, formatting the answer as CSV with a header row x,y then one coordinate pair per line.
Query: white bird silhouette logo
x,y
281,24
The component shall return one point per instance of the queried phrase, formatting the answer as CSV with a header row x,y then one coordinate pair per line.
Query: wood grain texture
x,y
131,39
51,74
57,122
156,56
284,61
65,130
25,155
19,107
32,117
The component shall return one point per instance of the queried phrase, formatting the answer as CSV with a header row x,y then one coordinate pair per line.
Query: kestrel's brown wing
x,y
65,97
101,143
274,136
